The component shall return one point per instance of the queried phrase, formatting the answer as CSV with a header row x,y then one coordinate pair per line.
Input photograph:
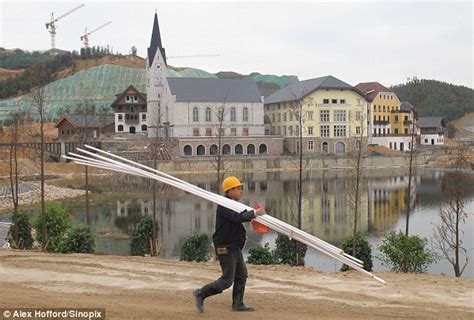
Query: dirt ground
x,y
153,288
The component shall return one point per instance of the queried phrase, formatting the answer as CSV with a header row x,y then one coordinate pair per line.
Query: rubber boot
x,y
201,294
238,297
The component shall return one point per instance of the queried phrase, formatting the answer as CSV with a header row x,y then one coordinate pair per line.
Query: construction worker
x,y
229,239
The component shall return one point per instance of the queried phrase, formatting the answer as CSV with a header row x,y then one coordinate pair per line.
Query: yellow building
x,y
334,114
390,119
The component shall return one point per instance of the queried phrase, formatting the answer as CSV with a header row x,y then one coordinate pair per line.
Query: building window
x,y
310,145
195,114
325,131
390,145
119,128
358,130
196,132
339,131
245,131
291,116
245,114
239,149
144,127
226,149
325,147
232,114
358,144
233,131
208,132
201,150
222,131
325,101
208,114
396,130
279,117
310,131
406,130
340,115
250,149
334,101
143,116
358,117
262,149
188,150
273,118
324,114
342,101
284,116
310,115
213,149
120,117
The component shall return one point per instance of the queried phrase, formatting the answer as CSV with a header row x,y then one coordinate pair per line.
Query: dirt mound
x,y
124,61
142,288
7,73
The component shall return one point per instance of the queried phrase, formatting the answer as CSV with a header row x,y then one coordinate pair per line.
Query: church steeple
x,y
155,42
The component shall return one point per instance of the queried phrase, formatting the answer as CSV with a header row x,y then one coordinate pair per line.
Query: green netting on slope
x,y
282,81
99,84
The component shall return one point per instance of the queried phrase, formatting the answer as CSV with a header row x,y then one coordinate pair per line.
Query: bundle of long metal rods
x,y
105,160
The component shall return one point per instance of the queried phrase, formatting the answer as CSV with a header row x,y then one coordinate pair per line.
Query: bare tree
x,y
17,119
448,234
87,109
219,133
38,97
356,173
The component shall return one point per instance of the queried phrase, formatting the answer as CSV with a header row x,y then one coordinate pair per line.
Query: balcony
x,y
381,122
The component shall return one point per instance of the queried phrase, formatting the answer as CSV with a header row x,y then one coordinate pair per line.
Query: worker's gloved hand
x,y
259,209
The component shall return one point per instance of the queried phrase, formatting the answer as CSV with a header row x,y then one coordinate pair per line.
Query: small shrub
x,y
142,236
405,253
261,255
19,234
196,248
363,250
286,249
77,240
58,221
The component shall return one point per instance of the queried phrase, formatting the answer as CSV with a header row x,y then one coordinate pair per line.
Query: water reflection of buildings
x,y
387,200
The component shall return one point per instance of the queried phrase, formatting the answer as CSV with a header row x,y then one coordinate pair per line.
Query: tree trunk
x,y
43,213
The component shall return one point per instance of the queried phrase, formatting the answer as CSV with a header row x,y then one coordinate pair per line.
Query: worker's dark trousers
x,y
233,271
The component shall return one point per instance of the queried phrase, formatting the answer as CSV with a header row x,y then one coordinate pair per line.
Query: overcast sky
x,y
355,41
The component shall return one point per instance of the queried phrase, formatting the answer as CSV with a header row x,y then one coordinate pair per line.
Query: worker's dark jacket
x,y
230,231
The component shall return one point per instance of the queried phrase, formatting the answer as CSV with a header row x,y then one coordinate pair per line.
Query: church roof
x,y
214,90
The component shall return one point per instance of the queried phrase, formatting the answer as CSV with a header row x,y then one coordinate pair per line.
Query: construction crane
x,y
51,25
85,37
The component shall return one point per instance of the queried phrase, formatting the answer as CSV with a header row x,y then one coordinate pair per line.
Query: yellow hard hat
x,y
229,183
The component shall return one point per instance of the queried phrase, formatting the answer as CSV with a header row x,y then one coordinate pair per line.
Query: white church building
x,y
194,111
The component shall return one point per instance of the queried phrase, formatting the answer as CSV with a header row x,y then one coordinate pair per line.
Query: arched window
x,y
232,114
208,114
239,149
226,149
340,148
195,114
144,127
201,150
188,150
213,149
120,128
132,130
250,149
245,114
262,149
324,148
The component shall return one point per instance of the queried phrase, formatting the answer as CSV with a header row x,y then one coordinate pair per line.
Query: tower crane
x,y
51,25
85,37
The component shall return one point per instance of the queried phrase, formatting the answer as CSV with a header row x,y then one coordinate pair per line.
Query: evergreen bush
x,y
142,236
405,253
261,255
286,249
19,234
77,240
196,248
363,250
58,221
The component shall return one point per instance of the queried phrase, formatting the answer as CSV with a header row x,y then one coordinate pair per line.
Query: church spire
x,y
155,42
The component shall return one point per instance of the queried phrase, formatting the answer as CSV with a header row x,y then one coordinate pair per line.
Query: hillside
x,y
144,287
437,99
